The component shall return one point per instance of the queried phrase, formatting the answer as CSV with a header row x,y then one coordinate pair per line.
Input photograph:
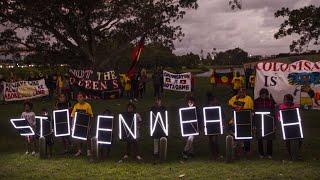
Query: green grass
x,y
15,165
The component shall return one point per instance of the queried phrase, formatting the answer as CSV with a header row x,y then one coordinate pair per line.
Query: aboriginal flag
x,y
135,55
223,77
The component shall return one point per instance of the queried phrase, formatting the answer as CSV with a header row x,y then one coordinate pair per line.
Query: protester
x,y
239,102
144,79
60,84
252,79
105,149
51,85
214,139
288,103
1,89
127,87
66,89
132,144
29,115
264,103
237,83
49,137
156,79
135,87
158,134
188,150
63,103
84,107
212,79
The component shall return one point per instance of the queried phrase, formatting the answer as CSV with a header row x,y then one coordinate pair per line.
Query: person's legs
x,y
155,146
288,146
188,148
136,150
79,148
215,145
260,147
269,148
246,146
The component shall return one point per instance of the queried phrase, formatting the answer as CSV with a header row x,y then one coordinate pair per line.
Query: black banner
x,y
96,85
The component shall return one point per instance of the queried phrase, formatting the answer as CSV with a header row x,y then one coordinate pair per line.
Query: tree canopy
x,y
304,22
79,27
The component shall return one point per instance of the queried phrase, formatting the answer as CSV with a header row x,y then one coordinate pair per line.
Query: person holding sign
x,y
188,148
158,126
287,104
214,139
83,107
265,104
239,102
61,104
29,115
48,137
132,142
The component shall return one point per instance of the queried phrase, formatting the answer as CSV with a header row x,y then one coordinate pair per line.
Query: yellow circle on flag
x,y
224,79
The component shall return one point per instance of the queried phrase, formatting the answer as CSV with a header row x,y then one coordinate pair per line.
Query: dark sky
x,y
215,25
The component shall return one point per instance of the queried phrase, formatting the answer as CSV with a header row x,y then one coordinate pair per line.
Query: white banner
x,y
177,82
22,90
300,79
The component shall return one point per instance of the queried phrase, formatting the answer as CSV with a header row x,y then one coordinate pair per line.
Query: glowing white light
x,y
262,121
42,118
127,128
103,129
206,121
291,124
158,119
189,121
13,121
236,127
73,129
55,122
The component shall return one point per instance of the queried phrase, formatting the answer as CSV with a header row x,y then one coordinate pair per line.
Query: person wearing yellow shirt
x,y
212,79
239,102
237,83
84,107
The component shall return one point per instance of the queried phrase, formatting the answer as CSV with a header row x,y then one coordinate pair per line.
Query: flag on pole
x,y
135,55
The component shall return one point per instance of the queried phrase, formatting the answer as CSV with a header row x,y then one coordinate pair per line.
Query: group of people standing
x,y
134,87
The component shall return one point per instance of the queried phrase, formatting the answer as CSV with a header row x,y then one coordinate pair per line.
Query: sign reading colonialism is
x,y
301,79
96,85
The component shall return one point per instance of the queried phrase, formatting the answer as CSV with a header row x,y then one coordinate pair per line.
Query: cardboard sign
x,y
265,123
188,121
127,126
212,120
242,124
22,126
61,122
291,124
104,129
80,126
43,126
159,123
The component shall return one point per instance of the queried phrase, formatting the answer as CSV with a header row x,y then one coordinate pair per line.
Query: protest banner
x,y
177,82
301,79
96,85
22,90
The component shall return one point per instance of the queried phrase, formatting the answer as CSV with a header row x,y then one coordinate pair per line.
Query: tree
x,y
305,22
235,56
81,26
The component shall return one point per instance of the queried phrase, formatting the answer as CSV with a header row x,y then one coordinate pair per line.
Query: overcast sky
x,y
215,25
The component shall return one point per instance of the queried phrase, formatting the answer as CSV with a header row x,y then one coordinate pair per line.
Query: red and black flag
x,y
223,76
135,55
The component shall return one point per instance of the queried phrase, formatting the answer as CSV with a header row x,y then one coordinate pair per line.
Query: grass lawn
x,y
15,165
